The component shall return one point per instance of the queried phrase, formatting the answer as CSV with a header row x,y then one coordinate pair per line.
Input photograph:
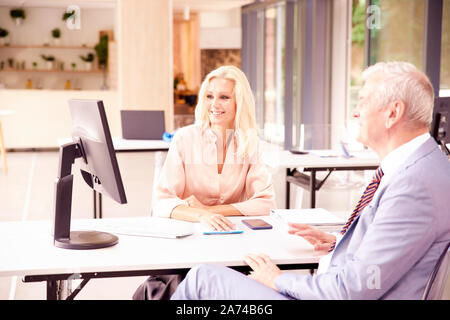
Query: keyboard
x,y
150,227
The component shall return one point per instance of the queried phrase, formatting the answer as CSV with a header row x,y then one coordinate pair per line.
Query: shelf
x,y
59,71
44,47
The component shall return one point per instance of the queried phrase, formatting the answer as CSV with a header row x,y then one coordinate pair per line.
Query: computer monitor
x,y
440,128
93,151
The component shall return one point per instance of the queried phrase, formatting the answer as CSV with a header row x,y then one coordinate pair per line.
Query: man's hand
x,y
264,270
322,241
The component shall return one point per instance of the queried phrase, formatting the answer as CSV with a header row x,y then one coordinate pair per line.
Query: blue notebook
x,y
214,232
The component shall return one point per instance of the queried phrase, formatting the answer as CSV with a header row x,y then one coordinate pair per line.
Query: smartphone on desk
x,y
256,224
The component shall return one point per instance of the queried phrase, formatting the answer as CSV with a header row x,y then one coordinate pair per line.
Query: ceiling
x,y
178,5
208,5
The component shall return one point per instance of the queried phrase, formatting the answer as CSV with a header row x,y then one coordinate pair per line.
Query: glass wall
x,y
400,34
274,52
445,51
286,55
357,52
273,74
297,79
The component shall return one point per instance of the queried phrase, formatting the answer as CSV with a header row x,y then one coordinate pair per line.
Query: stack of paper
x,y
313,217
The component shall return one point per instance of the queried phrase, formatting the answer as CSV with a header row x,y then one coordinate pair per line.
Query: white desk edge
x,y
30,249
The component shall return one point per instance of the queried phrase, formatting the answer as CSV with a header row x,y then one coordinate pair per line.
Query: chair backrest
x,y
439,280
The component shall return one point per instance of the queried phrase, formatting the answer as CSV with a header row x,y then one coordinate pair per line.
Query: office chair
x,y
439,279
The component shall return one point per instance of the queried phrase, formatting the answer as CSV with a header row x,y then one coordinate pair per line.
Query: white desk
x,y
127,145
124,145
313,163
28,251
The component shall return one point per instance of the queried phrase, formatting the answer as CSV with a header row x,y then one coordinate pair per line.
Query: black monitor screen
x,y
98,165
92,149
440,128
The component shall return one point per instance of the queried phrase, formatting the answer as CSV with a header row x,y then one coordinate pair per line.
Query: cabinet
x,y
21,62
57,66
21,66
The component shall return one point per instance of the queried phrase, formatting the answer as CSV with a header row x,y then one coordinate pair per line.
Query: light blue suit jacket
x,y
391,248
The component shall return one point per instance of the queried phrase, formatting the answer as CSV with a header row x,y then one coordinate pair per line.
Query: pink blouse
x,y
191,169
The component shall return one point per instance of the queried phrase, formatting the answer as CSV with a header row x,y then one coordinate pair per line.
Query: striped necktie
x,y
363,202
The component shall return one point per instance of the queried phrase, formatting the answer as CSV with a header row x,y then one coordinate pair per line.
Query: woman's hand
x,y
322,241
211,216
216,221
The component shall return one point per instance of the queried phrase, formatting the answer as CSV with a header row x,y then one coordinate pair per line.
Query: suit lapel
x,y
427,147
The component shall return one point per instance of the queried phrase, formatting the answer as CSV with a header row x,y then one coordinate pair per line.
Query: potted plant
x,y
67,15
18,14
74,66
11,63
88,60
49,60
101,49
56,33
3,35
34,65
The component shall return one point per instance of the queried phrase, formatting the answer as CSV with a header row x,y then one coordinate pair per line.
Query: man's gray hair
x,y
403,81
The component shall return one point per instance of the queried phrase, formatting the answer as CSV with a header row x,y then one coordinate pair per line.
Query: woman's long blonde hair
x,y
245,120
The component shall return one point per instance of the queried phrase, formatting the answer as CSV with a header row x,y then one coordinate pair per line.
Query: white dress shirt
x,y
389,165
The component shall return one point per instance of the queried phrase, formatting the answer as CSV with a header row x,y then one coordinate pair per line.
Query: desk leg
x,y
51,289
58,289
3,149
288,190
95,204
100,207
312,188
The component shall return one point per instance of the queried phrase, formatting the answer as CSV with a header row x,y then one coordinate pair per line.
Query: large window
x,y
287,75
297,76
273,74
396,33
357,63
306,75
400,33
445,50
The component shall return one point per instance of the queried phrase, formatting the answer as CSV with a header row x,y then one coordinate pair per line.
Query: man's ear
x,y
395,112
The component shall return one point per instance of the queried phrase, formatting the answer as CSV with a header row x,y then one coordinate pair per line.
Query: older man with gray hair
x,y
396,232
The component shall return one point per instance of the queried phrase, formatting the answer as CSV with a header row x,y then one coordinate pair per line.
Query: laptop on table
x,y
142,124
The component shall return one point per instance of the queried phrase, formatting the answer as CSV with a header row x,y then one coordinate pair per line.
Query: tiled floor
x,y
26,193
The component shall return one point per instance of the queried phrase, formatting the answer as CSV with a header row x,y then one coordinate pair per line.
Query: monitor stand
x,y
63,237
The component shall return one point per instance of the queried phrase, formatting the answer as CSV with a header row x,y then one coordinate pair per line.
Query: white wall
x,y
145,56
42,116
220,29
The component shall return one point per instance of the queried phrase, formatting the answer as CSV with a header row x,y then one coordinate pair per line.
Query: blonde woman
x,y
213,169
